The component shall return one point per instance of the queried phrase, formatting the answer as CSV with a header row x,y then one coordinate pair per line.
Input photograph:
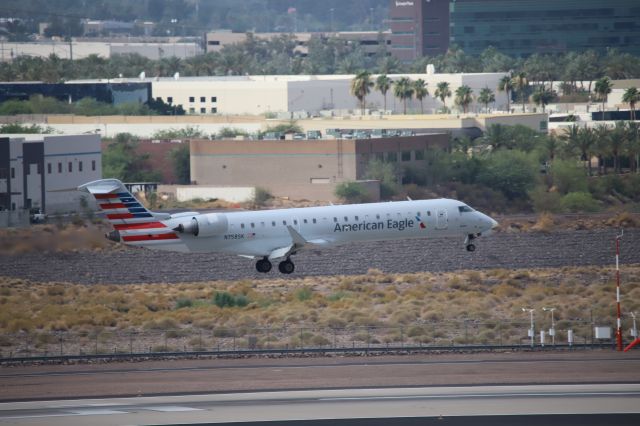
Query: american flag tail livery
x,y
133,224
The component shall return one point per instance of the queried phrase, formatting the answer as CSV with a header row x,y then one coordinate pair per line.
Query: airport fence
x,y
423,336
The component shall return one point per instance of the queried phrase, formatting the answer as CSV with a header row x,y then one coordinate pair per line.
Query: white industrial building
x,y
43,171
83,49
309,93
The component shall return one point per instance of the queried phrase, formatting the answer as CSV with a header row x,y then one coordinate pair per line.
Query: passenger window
x,y
378,216
242,225
356,218
304,221
273,223
262,224
284,222
428,213
253,225
314,220
346,219
335,219
295,222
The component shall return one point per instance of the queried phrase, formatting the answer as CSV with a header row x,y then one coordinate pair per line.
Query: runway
x,y
537,404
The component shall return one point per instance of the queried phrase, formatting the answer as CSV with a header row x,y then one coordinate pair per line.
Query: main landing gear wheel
x,y
471,247
286,266
263,265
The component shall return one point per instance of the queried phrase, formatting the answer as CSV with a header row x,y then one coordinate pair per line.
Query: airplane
x,y
269,235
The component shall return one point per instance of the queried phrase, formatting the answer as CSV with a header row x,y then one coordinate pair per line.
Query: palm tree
x,y
443,92
602,146
506,85
361,86
420,90
631,96
603,88
617,139
486,97
632,146
464,96
520,83
383,84
582,139
543,96
403,89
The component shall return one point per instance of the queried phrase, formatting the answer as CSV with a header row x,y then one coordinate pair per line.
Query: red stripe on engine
x,y
113,206
120,216
105,196
152,237
134,226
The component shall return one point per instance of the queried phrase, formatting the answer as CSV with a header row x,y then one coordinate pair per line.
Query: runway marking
x,y
170,409
473,395
95,412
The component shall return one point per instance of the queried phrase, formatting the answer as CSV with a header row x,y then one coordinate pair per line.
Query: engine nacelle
x,y
204,225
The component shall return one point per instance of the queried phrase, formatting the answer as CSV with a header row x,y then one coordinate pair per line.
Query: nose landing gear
x,y
468,242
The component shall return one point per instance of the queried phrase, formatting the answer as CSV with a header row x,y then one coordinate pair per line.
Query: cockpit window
x,y
464,209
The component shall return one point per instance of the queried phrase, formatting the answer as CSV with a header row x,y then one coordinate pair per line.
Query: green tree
x,y
582,140
543,96
403,90
603,88
387,174
521,83
443,92
360,87
420,91
511,172
121,160
351,192
486,97
464,97
24,128
506,85
568,176
631,96
188,132
181,163
383,84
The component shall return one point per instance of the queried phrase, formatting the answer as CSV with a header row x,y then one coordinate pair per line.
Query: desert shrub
x,y
568,176
184,303
351,192
335,322
304,293
227,300
261,196
545,201
579,202
545,223
224,332
319,340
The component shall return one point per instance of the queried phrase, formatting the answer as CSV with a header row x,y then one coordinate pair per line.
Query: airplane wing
x,y
298,242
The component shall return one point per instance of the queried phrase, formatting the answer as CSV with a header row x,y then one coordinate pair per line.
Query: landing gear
x,y
469,245
286,266
263,265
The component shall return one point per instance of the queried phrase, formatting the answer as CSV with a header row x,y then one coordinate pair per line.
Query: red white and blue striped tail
x,y
133,223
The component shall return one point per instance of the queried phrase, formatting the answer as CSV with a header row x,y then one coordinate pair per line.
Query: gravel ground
x,y
501,250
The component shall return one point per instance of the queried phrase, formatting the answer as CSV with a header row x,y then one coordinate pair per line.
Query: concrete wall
x,y
231,194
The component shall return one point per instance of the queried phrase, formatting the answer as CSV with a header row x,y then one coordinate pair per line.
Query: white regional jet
x,y
278,234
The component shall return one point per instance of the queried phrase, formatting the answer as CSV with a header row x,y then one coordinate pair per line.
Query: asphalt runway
x,y
501,250
152,378
617,403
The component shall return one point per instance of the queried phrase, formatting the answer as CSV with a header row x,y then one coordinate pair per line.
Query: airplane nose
x,y
494,223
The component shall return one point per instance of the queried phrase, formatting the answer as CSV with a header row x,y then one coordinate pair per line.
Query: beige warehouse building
x,y
302,169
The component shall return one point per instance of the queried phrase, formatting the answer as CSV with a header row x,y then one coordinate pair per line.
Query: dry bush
x,y
623,220
545,223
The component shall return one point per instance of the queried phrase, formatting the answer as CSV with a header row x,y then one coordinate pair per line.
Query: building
x,y
514,27
111,92
106,49
302,169
310,94
418,28
42,171
370,41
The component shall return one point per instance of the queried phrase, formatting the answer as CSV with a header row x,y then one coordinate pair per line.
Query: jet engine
x,y
204,225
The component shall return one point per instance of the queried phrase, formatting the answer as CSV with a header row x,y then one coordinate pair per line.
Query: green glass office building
x,y
524,27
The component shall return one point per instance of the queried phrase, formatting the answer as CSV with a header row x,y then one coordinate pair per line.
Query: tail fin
x,y
133,223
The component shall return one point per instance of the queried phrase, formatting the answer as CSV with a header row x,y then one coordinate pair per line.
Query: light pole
x,y
531,334
552,330
619,318
634,330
